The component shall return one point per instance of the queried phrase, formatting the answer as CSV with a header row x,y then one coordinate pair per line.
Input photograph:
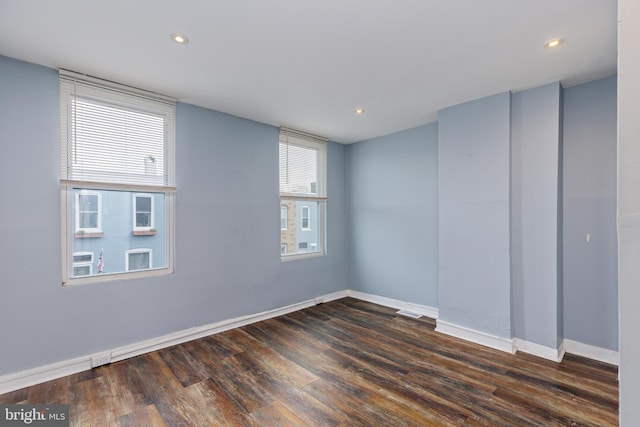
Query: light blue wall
x,y
535,191
393,194
474,274
227,234
590,269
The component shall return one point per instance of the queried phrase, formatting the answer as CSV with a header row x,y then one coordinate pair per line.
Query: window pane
x,y
143,219
84,270
143,204
305,236
298,169
117,236
139,261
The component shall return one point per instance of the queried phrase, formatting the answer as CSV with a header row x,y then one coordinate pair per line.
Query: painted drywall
x,y
392,187
535,190
590,240
629,208
474,272
227,247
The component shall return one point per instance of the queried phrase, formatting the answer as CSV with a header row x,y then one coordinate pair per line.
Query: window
x,y
143,212
117,162
138,259
88,212
303,191
304,218
82,264
283,217
283,249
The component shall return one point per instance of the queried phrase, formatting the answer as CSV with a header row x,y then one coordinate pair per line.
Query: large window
x,y
303,191
117,161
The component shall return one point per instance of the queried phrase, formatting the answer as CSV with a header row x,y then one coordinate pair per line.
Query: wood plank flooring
x,y
343,363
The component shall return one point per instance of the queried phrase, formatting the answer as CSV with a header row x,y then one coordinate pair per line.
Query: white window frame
x,y
284,213
86,87
79,229
305,215
301,139
135,212
138,251
77,264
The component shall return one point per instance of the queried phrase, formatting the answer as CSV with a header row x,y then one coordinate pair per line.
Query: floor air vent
x,y
408,313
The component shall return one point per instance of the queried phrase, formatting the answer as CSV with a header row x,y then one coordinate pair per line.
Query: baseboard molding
x,y
478,337
549,353
29,377
425,310
592,352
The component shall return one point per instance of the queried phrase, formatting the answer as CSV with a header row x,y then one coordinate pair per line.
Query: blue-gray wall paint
x,y
590,269
535,191
392,187
474,261
227,234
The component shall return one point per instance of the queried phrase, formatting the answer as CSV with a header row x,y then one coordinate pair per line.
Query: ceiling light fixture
x,y
553,43
359,111
179,38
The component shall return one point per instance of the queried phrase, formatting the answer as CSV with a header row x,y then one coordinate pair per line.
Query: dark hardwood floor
x,y
343,363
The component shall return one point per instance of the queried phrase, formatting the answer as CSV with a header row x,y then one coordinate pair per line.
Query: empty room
x,y
336,213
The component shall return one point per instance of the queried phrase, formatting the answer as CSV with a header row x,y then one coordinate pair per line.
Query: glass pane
x,y
298,169
305,236
139,261
83,258
143,204
110,247
88,220
88,202
143,219
83,270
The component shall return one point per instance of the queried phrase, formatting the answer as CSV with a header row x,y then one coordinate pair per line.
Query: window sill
x,y
301,255
88,235
144,232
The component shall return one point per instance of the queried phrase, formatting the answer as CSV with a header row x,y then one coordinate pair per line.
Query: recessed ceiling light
x,y
553,43
359,111
179,38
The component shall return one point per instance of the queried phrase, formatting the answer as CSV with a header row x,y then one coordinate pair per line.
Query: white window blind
x,y
123,141
302,164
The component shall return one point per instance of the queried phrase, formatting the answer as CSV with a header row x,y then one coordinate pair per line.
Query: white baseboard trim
x,y
549,353
478,337
29,377
425,310
592,352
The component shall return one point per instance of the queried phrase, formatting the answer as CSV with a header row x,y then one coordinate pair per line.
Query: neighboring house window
x,y
117,148
142,212
82,264
283,249
304,218
88,212
138,259
283,217
303,160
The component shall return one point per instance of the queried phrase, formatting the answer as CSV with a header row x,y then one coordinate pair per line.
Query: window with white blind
x,y
117,157
303,163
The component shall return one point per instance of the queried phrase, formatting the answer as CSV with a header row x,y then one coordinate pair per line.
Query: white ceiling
x,y
308,64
